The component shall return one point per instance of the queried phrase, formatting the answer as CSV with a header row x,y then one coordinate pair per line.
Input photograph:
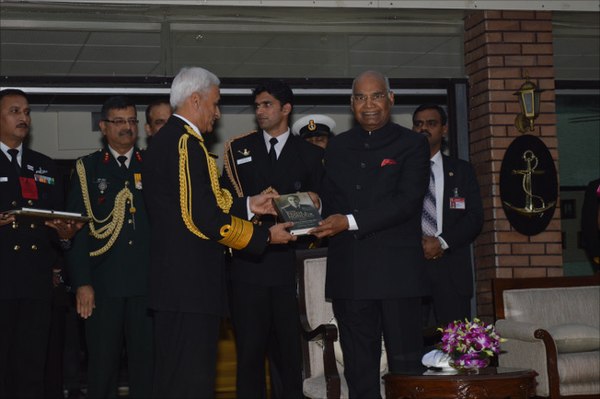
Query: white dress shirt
x,y
5,149
281,140
115,154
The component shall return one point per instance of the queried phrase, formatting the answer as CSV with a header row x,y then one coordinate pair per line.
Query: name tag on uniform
x,y
457,203
243,160
3,179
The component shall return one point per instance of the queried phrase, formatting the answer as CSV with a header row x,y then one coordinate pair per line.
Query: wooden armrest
x,y
551,361
329,334
522,331
326,332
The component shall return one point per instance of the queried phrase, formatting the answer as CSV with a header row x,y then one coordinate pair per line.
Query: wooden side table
x,y
488,383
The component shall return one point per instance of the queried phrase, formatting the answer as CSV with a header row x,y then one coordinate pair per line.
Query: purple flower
x,y
470,343
473,360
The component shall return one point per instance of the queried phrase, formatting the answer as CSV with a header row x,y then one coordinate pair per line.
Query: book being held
x,y
46,214
299,209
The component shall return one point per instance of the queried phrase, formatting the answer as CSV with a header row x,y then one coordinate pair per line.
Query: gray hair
x,y
373,73
191,80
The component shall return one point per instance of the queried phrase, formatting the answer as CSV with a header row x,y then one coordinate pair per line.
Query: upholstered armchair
x,y
323,358
552,325
321,377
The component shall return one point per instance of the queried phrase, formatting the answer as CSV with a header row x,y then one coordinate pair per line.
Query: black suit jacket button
x,y
358,187
29,202
14,203
17,247
363,165
32,225
34,247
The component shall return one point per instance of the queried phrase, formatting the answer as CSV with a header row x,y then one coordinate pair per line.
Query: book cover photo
x,y
299,209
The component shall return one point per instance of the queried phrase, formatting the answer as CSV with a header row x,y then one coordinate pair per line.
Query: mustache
x,y
426,133
22,124
126,133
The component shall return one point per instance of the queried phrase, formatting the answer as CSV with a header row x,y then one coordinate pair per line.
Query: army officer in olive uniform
x,y
108,263
28,251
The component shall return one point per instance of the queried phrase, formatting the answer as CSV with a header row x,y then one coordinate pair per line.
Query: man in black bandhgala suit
x,y
376,175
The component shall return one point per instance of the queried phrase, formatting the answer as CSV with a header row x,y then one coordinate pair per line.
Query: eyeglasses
x,y
429,123
363,98
122,122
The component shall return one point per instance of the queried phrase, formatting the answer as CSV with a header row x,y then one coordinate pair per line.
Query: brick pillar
x,y
501,48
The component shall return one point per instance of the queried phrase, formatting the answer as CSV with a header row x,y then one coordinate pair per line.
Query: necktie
x,y
429,215
272,153
122,159
13,152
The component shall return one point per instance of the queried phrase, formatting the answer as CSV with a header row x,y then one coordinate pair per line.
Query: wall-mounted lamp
x,y
529,100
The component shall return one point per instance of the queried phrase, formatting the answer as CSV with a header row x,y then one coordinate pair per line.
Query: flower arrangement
x,y
470,344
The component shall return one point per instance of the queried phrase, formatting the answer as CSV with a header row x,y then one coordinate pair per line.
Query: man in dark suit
x,y
457,221
375,180
191,226
158,113
108,264
28,251
590,223
263,298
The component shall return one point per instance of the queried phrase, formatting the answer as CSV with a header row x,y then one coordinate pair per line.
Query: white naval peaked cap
x,y
314,124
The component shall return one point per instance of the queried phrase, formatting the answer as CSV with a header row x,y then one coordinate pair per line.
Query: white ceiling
x,y
69,40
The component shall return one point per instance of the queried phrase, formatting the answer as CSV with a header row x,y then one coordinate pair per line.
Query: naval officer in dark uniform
x,y
315,128
264,309
191,227
28,251
108,263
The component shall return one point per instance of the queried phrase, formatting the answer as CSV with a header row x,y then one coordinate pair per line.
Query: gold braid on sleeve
x,y
114,221
236,235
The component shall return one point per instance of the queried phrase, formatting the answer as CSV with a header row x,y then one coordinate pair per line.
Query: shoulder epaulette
x,y
231,140
230,166
90,155
223,197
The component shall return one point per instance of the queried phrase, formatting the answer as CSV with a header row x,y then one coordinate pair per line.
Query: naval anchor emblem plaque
x,y
528,185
